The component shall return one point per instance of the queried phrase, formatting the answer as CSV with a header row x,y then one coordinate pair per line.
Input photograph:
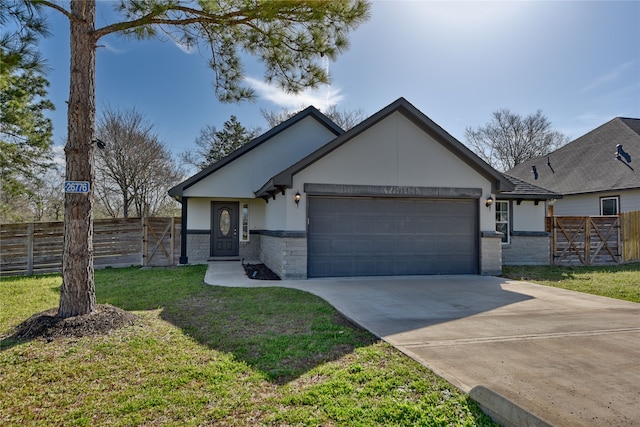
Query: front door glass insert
x,y
225,222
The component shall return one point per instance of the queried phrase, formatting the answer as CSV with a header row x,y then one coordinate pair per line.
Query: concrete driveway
x,y
531,355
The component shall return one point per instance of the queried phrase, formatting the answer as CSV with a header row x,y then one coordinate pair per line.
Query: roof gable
x,y
285,178
311,111
590,163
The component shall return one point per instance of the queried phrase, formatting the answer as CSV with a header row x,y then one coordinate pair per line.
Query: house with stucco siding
x,y
394,195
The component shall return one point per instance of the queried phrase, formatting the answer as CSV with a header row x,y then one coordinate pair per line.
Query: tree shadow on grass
x,y
280,332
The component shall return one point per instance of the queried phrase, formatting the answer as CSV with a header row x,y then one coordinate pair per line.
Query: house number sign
x,y
76,186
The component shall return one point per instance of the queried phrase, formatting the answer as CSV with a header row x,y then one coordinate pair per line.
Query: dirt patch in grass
x,y
259,272
48,326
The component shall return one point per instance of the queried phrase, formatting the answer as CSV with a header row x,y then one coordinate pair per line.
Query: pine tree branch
x,y
54,6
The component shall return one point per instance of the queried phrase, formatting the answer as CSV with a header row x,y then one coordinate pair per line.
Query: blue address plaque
x,y
76,187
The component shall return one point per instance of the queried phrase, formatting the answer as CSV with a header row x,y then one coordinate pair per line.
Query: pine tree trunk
x,y
78,292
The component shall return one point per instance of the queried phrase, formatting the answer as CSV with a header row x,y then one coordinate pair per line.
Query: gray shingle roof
x,y
589,163
525,190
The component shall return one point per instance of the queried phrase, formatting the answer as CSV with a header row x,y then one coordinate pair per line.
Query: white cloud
x,y
188,49
59,158
610,76
321,98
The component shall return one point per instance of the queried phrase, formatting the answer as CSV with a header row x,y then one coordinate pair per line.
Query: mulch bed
x,y
259,272
48,326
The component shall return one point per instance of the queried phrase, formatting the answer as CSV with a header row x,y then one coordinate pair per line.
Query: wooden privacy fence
x,y
593,240
31,248
630,222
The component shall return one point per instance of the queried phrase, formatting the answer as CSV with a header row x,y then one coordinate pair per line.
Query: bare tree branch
x,y
510,139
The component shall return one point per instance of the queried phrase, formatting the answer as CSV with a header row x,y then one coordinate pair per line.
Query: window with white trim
x,y
502,219
609,205
244,223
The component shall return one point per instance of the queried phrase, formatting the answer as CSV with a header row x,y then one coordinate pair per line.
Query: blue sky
x,y
458,62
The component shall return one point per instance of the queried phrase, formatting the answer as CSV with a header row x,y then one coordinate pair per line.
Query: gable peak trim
x,y
310,111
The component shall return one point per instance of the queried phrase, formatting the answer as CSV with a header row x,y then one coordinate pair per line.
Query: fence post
x,y
620,243
30,248
173,242
587,241
554,239
144,241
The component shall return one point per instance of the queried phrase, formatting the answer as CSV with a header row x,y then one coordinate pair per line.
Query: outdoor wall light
x,y
297,198
489,201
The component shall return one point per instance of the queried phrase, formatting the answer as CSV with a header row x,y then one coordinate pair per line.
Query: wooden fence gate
x,y
587,240
159,243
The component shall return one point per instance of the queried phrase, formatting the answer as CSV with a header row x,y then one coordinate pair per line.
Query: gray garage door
x,y
360,236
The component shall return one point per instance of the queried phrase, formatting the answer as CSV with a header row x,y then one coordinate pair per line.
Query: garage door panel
x,y
405,246
384,226
425,246
364,266
383,246
341,227
409,265
381,207
363,245
342,247
450,246
322,225
320,247
384,266
391,236
462,228
409,226
343,267
364,226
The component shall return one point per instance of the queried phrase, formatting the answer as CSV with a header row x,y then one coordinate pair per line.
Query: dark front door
x,y
224,229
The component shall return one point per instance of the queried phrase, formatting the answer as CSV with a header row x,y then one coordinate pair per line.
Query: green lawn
x,y
615,281
206,355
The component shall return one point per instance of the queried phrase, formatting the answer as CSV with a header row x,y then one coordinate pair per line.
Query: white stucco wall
x,y
251,171
589,204
527,216
199,212
394,152
275,212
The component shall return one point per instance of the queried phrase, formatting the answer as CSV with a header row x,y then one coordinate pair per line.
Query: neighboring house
x,y
597,174
395,195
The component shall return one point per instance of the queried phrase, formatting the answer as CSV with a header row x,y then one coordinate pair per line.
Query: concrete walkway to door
x,y
531,355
